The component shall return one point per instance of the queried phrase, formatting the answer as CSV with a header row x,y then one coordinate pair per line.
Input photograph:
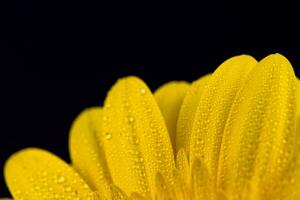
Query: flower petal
x,y
37,174
293,181
213,109
180,189
182,164
117,193
87,152
298,97
187,113
162,190
169,98
259,140
137,143
201,181
136,196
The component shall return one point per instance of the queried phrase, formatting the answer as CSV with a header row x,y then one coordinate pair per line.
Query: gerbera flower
x,y
229,135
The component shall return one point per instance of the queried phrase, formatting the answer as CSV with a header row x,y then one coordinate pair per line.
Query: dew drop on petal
x,y
143,91
108,136
61,179
130,119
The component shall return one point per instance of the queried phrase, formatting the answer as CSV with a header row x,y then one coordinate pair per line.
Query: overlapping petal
x,y
235,135
136,138
169,98
182,165
298,96
259,143
213,109
187,113
36,174
201,182
87,153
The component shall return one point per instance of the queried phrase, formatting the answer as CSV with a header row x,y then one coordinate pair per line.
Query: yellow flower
x,y
229,135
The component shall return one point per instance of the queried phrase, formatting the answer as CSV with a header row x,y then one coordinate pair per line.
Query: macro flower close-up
x,y
229,135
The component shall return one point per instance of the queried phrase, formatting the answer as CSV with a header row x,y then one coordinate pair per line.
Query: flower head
x,y
229,135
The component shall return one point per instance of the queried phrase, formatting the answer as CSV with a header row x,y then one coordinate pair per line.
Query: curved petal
x,y
39,175
183,167
163,190
290,184
201,185
298,97
187,113
137,196
169,98
180,189
259,140
213,109
117,193
136,142
293,181
87,152
298,110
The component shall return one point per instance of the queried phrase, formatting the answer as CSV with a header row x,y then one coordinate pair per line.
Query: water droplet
x,y
292,180
108,136
130,119
61,179
143,91
136,141
68,189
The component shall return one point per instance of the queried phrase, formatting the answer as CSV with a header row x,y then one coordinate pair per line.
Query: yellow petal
x,y
201,181
259,140
162,190
298,109
213,109
298,96
87,152
180,189
182,165
136,138
169,98
187,113
5,199
117,193
39,175
137,196
288,187
293,182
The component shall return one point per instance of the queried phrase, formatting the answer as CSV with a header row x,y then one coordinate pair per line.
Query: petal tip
x,y
277,59
20,153
244,56
16,158
240,60
129,78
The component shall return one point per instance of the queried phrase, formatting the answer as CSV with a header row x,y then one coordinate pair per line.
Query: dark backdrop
x,y
65,57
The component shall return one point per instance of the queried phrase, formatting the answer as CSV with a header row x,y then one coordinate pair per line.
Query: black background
x,y
63,57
